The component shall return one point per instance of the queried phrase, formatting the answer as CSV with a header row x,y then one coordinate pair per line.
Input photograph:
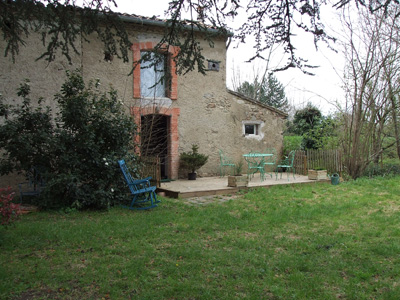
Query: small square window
x,y
251,129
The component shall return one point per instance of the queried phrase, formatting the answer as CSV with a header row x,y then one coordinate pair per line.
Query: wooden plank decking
x,y
208,186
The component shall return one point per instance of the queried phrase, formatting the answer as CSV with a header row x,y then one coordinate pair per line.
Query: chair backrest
x,y
291,156
127,175
223,158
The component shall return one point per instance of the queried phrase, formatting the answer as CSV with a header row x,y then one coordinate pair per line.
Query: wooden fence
x,y
331,160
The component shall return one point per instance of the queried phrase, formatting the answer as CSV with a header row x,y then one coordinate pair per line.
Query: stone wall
x,y
220,126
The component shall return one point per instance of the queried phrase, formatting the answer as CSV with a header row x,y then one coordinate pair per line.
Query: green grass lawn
x,y
304,242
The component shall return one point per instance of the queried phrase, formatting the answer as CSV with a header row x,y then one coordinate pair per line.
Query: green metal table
x,y
255,163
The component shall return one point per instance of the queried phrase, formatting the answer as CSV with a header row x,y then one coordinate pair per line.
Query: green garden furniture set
x,y
264,163
259,162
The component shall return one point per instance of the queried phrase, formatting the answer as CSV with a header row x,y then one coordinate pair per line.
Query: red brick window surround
x,y
171,51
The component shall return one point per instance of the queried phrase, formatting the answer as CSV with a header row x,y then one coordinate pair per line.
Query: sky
x,y
323,89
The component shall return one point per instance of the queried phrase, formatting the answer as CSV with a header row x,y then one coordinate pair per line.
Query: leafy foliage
x,y
61,24
238,167
8,211
384,169
77,151
321,136
316,130
306,119
292,142
27,134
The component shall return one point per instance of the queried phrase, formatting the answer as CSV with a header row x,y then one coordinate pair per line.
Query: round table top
x,y
257,154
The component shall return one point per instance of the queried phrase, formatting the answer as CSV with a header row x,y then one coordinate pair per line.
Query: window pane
x,y
152,79
249,129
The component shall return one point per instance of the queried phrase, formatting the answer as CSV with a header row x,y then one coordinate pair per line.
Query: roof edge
x,y
162,23
278,111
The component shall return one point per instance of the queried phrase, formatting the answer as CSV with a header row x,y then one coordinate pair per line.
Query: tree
x,y
372,87
269,91
62,22
275,94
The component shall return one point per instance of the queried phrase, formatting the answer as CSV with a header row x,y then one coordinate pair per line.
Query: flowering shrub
x,y
77,151
8,211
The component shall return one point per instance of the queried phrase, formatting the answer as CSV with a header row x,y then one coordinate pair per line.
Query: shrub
x,y
8,211
385,169
77,151
291,143
193,160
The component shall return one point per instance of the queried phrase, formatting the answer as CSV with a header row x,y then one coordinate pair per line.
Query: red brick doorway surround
x,y
173,135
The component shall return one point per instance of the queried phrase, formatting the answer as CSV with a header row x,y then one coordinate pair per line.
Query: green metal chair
x,y
255,164
270,161
225,163
286,164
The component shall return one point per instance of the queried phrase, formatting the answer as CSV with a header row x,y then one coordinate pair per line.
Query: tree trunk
x,y
395,124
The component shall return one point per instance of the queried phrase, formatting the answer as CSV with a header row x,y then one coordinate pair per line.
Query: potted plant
x,y
193,161
317,173
238,180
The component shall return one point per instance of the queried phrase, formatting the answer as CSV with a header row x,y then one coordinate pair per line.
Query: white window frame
x,y
257,129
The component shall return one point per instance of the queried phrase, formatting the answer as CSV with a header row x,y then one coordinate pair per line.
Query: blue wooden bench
x,y
144,194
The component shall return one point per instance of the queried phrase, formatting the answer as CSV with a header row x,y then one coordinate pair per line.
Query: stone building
x,y
192,109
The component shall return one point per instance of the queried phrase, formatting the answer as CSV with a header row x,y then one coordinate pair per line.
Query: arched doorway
x,y
154,140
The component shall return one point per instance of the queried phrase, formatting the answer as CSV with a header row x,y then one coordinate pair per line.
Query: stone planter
x,y
317,174
238,181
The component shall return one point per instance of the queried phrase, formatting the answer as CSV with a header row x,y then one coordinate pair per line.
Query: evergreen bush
x,y
77,151
193,160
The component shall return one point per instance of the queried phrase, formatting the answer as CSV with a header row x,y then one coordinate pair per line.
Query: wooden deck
x,y
208,186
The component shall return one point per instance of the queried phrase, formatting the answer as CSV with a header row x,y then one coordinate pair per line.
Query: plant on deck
x,y
193,160
238,168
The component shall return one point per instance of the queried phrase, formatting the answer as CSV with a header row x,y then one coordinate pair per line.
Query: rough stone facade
x,y
200,110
